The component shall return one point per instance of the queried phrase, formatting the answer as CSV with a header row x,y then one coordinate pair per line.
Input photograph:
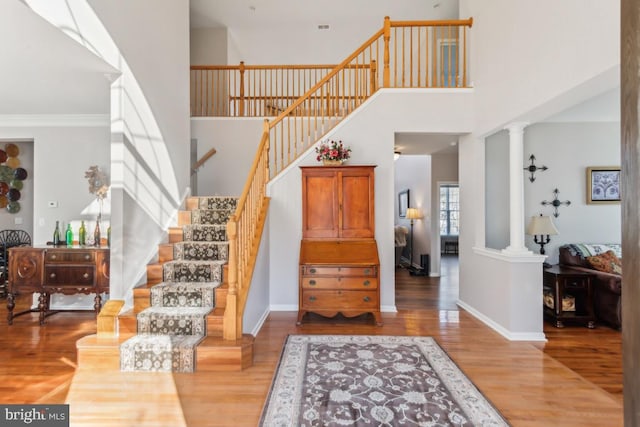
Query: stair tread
x,y
200,235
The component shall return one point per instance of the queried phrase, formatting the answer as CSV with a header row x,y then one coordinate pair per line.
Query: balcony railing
x,y
415,54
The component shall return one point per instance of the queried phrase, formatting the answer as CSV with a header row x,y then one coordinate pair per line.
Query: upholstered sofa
x,y
607,285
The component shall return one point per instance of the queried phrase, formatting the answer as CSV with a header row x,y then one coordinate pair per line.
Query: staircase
x,y
179,313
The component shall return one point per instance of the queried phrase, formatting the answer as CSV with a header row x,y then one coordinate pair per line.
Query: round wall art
x,y
11,178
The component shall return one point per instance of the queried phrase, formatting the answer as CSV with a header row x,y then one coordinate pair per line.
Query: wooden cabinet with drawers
x,y
339,276
49,270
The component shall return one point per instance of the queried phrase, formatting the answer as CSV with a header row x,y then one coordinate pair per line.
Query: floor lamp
x,y
412,214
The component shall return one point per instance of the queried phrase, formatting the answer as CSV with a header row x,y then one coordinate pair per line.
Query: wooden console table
x,y
49,270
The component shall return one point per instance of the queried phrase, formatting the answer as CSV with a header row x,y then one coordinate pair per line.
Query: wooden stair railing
x,y
429,54
197,165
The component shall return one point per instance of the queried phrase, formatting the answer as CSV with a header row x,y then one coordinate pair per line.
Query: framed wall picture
x,y
403,203
603,184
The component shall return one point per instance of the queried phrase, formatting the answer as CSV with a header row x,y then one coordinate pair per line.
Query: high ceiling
x,y
45,72
241,13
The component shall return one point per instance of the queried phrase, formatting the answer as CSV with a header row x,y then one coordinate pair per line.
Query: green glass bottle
x,y
82,234
96,234
56,234
69,235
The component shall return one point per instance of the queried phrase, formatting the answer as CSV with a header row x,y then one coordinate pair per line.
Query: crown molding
x,y
55,120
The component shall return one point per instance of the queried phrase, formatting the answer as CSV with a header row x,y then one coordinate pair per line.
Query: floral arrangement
x,y
98,185
332,150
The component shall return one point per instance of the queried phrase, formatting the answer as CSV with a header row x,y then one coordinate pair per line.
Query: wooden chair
x,y
9,239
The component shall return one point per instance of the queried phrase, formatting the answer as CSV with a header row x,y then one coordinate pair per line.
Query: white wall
x,y
497,189
526,55
208,46
370,133
444,169
305,44
567,149
61,155
527,63
150,129
236,141
413,173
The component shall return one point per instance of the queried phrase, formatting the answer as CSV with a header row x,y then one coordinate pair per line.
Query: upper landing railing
x,y
414,54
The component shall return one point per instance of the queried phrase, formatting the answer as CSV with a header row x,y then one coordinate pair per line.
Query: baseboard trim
x,y
260,322
511,336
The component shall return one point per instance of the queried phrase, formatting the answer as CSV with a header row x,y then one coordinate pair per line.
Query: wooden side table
x,y
560,281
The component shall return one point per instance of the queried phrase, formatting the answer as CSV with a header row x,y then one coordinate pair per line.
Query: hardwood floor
x,y
575,379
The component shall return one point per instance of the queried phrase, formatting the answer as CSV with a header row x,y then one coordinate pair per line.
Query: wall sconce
x,y
532,168
541,227
396,155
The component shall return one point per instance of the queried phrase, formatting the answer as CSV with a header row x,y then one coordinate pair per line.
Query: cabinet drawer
x,y
69,275
69,256
340,283
339,300
575,283
311,270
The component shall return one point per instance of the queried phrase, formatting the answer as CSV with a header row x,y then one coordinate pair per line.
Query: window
x,y
449,210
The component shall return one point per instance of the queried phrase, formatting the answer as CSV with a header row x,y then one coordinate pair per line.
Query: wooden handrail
x,y
325,103
202,160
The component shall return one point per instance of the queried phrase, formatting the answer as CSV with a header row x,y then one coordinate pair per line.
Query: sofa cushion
x,y
577,253
607,262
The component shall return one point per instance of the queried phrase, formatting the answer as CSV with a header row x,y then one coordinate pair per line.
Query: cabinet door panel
x,y
357,206
320,197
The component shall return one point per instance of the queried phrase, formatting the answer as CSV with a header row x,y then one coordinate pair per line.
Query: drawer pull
x,y
312,298
54,256
313,270
366,299
366,283
52,275
85,276
312,282
87,257
367,271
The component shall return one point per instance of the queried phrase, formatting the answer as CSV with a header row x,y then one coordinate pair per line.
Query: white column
x,y
516,190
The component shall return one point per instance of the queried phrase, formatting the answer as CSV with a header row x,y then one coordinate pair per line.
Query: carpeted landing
x,y
169,331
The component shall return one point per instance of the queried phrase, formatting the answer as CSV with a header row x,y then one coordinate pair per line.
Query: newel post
x,y
386,37
241,106
374,72
229,330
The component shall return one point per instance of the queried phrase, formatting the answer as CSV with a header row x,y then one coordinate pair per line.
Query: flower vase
x,y
327,162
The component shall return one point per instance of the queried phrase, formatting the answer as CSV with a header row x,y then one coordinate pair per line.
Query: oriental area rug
x,y
361,380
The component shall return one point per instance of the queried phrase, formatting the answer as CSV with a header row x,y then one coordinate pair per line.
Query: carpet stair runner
x,y
182,303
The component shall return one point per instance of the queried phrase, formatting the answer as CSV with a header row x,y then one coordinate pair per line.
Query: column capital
x,y
516,126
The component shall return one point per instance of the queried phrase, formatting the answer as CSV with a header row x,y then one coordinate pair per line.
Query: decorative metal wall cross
x,y
532,168
556,203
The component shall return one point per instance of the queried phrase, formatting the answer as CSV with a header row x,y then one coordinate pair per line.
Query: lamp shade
x,y
413,213
541,225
